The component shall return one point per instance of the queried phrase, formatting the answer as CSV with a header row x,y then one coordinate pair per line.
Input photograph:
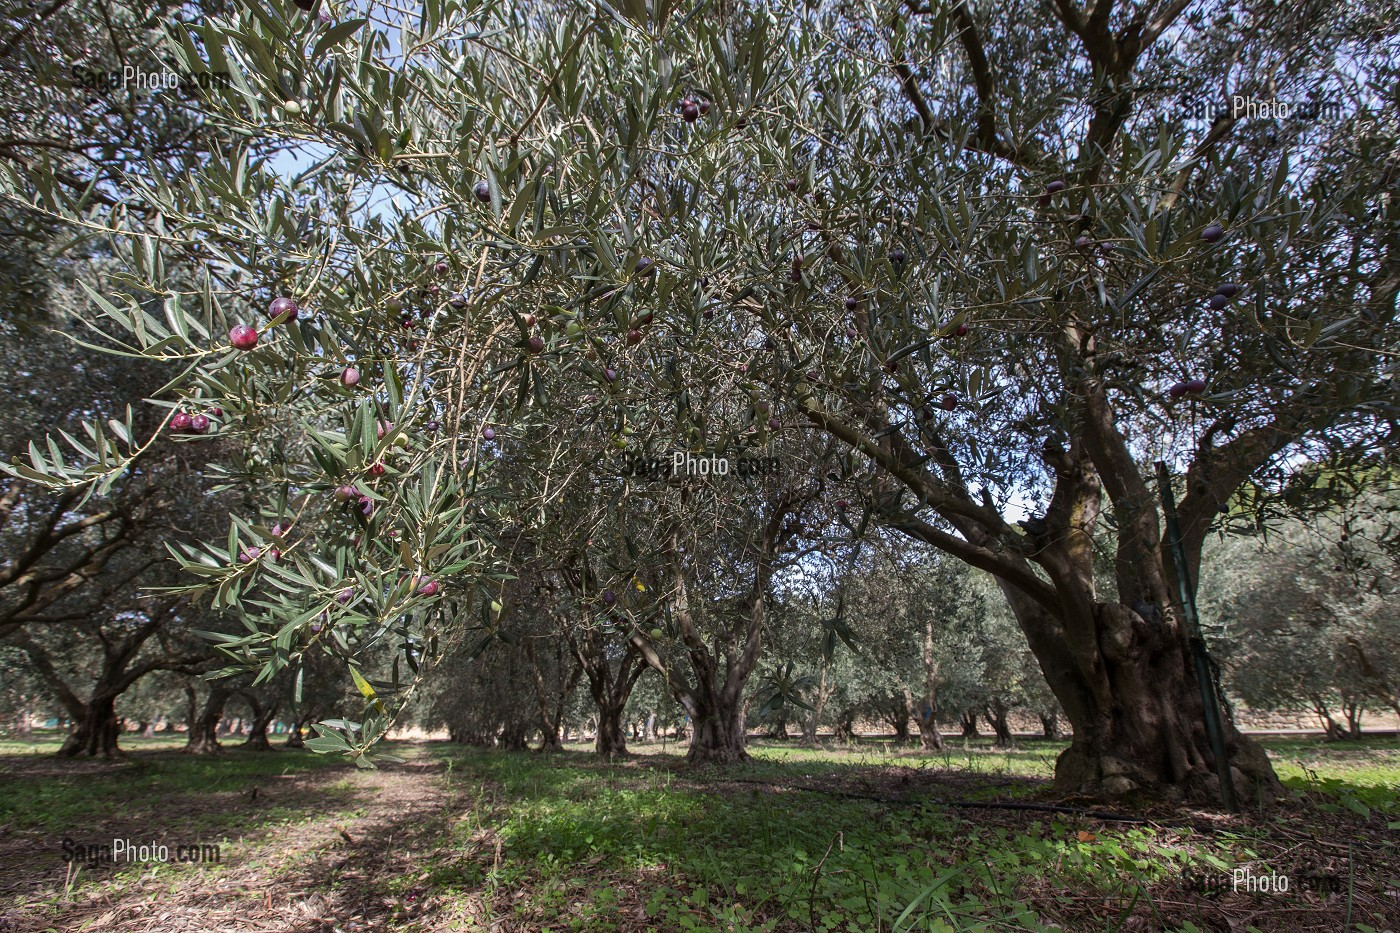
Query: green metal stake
x,y
1209,695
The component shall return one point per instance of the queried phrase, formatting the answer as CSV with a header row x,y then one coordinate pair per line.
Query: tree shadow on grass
x,y
310,850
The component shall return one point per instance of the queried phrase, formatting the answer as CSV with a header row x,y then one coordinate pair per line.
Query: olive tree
x,y
891,227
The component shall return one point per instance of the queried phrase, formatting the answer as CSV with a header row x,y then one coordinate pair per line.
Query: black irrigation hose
x,y
973,804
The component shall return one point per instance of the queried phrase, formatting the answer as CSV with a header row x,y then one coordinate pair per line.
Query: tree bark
x,y
609,688
203,734
257,728
968,718
779,730
95,732
551,705
899,710
1050,725
718,735
929,736
514,736
611,739
996,718
846,726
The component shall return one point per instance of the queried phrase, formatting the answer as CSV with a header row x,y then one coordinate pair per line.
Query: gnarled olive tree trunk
x,y
263,714
94,730
203,736
610,683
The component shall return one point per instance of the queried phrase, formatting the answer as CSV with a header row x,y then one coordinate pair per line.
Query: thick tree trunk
x,y
1352,707
1135,706
930,739
996,718
846,726
779,730
897,713
95,732
257,729
514,736
611,740
717,732
551,704
203,735
1050,725
549,741
968,717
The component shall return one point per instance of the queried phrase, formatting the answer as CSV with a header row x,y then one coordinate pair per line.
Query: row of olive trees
x,y
892,251
1304,617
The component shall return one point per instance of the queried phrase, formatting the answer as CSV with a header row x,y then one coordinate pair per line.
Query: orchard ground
x,y
857,838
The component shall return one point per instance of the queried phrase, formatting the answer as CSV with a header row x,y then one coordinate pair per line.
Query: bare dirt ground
x,y
313,877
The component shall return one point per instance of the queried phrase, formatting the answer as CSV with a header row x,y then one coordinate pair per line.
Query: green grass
x,y
48,741
153,789
566,842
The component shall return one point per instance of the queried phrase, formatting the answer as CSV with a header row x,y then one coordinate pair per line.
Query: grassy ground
x,y
857,839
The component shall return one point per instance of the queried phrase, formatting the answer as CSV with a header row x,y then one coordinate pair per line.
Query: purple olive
x,y
1228,289
243,337
483,192
488,434
1212,233
282,306
1055,186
